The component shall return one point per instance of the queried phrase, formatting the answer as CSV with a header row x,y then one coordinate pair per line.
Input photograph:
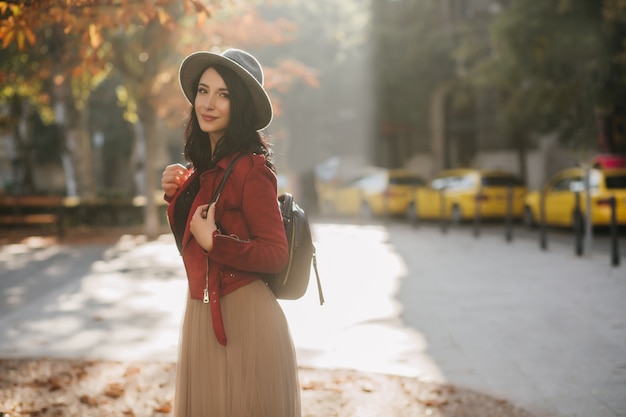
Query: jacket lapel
x,y
216,175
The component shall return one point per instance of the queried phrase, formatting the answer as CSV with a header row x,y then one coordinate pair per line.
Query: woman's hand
x,y
173,177
202,225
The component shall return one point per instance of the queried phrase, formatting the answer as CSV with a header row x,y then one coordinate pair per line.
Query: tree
x,y
414,62
31,77
135,39
558,67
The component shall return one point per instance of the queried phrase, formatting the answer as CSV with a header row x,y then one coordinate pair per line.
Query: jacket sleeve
x,y
266,251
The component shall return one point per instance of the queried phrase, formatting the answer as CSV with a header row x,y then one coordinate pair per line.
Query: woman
x,y
236,354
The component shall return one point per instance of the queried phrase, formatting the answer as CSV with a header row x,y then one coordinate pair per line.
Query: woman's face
x,y
212,104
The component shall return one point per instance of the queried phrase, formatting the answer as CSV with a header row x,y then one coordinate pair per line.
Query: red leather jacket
x,y
252,239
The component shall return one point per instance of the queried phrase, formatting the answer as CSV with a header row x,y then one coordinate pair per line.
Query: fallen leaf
x,y
90,401
114,390
435,403
132,371
310,385
367,388
55,383
164,408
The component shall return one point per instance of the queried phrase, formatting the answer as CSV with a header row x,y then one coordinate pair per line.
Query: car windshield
x,y
460,182
406,181
615,182
500,181
577,183
373,183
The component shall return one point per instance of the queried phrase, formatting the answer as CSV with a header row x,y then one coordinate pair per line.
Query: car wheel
x,y
456,216
411,215
529,219
327,208
366,211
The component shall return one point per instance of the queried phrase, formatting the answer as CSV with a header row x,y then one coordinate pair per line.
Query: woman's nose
x,y
209,102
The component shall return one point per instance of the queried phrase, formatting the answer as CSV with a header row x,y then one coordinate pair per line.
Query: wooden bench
x,y
16,211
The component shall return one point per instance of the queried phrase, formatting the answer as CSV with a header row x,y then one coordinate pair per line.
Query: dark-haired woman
x,y
236,353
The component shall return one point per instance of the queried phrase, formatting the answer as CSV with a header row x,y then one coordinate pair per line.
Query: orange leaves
x,y
114,390
289,71
14,8
95,37
88,400
201,11
78,388
19,22
246,26
202,17
165,407
15,27
154,13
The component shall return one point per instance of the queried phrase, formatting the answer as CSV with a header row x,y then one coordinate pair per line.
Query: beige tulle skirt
x,y
255,375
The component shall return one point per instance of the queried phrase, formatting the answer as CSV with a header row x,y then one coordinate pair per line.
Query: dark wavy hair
x,y
240,135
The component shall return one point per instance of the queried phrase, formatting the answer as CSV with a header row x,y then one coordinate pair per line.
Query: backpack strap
x,y
217,192
317,276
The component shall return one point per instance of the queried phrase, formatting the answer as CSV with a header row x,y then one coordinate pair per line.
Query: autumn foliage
x,y
21,19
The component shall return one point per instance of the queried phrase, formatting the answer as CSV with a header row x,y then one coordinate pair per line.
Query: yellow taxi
x,y
376,193
461,194
560,197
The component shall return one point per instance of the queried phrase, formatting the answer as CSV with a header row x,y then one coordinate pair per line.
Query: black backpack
x,y
292,282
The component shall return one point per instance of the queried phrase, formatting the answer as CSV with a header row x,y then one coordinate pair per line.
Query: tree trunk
x,y
522,157
438,126
151,214
77,156
22,158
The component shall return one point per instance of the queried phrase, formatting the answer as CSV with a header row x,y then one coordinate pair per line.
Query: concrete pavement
x,y
545,330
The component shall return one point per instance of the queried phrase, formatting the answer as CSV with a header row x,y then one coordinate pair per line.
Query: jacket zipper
x,y
205,300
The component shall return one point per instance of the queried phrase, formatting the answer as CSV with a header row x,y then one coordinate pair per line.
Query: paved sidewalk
x,y
545,330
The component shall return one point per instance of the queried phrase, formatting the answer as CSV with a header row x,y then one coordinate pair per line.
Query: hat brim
x,y
195,64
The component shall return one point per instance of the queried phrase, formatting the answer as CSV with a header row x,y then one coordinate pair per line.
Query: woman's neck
x,y
214,140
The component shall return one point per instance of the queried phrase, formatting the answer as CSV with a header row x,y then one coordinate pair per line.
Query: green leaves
x,y
555,64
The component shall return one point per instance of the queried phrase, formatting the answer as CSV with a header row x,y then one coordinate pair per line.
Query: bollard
x,y
416,214
412,214
442,211
509,213
477,217
578,225
615,257
543,238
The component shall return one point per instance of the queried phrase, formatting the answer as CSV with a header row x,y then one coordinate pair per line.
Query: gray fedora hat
x,y
243,64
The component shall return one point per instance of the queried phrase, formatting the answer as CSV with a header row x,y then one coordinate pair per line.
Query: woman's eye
x,y
225,95
202,90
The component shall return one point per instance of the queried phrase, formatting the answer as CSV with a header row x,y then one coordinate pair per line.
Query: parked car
x,y
395,198
560,198
459,194
376,193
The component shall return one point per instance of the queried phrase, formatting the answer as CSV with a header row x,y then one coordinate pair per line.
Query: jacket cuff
x,y
216,233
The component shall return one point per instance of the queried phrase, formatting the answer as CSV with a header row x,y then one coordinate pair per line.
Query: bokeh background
x,y
90,106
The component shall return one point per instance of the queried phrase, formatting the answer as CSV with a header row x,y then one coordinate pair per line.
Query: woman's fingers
x,y
210,213
202,211
202,225
173,177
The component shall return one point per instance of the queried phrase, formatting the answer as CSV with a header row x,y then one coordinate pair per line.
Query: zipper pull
x,y
206,296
